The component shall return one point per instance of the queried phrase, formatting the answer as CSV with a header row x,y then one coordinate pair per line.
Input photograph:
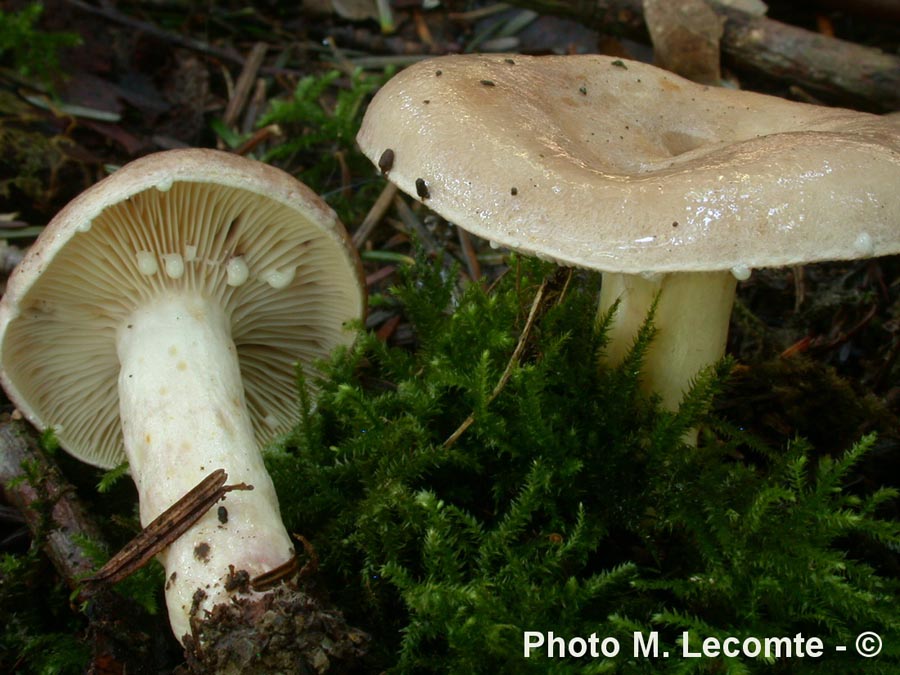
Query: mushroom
x,y
159,317
668,187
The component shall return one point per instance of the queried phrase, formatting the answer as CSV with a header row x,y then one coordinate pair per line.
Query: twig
x,y
375,214
841,71
244,83
471,259
480,13
275,576
827,343
254,107
66,519
257,137
412,223
380,275
510,365
799,287
165,528
117,627
388,327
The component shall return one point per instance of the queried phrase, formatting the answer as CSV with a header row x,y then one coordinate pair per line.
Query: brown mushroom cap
x,y
620,166
165,223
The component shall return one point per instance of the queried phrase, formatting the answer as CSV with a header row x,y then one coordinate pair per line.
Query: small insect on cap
x,y
227,228
623,167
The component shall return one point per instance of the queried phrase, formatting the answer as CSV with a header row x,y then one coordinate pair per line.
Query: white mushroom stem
x,y
184,415
691,321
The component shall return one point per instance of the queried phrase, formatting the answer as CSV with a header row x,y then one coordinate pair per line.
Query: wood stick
x,y
49,507
124,638
469,255
838,71
165,528
244,83
375,214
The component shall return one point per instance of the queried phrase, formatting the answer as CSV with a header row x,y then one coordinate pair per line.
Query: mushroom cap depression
x,y
208,222
623,167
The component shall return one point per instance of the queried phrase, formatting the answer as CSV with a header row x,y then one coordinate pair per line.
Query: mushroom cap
x,y
619,166
169,221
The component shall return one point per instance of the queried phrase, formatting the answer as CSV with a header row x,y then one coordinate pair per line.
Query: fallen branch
x,y
31,482
49,506
164,529
834,70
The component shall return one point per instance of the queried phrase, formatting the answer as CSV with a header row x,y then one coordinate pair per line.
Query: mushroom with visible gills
x,y
159,318
668,187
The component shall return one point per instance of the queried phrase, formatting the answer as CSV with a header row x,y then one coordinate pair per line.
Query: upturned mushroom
x,y
668,187
159,318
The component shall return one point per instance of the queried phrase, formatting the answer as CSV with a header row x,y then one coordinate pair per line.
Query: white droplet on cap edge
x,y
864,244
741,272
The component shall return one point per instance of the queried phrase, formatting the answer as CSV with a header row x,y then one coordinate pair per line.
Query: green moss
x,y
30,160
570,504
31,52
43,636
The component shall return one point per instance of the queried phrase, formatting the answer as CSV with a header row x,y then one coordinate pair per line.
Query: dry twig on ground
x,y
833,69
117,627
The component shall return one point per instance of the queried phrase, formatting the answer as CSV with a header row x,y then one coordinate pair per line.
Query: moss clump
x,y
37,637
30,161
570,504
32,52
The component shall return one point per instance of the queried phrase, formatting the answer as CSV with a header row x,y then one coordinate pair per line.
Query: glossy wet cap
x,y
262,243
620,166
